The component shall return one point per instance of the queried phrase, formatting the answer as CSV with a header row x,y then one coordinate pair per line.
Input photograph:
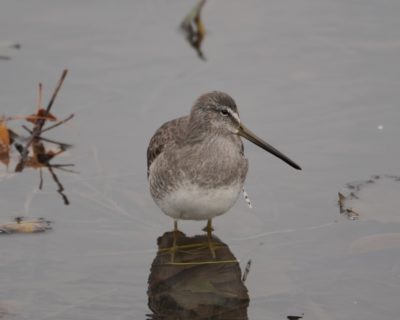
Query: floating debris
x,y
349,212
351,192
38,125
341,200
41,159
193,28
33,153
25,226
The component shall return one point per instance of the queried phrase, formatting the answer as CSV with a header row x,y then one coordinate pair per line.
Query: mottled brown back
x,y
168,133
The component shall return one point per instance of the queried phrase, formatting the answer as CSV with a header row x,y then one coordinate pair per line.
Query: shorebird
x,y
196,165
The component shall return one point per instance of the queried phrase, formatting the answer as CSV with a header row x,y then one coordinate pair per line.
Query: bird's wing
x,y
168,133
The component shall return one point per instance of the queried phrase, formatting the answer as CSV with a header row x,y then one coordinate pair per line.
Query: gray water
x,y
317,79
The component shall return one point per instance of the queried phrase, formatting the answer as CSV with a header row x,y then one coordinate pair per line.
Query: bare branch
x,y
61,144
37,130
58,123
41,179
60,186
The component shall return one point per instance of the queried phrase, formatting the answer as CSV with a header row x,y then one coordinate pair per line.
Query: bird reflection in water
x,y
195,286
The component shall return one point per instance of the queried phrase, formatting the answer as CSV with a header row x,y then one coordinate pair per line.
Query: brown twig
x,y
61,144
41,179
61,167
60,186
58,123
37,130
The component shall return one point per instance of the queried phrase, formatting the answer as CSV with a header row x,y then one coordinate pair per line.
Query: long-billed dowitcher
x,y
196,164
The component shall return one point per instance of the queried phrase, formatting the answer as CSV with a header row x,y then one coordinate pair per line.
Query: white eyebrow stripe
x,y
233,114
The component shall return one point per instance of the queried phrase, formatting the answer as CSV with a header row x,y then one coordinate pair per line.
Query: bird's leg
x,y
209,230
174,247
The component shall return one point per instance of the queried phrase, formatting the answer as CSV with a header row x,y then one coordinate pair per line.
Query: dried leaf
x,y
40,115
4,155
41,157
4,144
4,134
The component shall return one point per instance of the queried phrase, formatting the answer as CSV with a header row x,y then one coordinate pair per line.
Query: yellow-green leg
x,y
174,247
209,230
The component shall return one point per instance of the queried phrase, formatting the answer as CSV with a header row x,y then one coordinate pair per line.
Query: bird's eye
x,y
224,112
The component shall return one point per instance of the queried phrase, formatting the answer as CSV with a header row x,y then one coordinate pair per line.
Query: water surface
x,y
317,79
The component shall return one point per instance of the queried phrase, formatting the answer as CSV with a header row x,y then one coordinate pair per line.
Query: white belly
x,y
191,202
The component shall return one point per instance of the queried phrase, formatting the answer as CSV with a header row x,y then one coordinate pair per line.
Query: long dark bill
x,y
246,133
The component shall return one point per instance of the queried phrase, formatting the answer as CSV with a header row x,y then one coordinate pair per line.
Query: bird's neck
x,y
198,131
210,137
216,143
